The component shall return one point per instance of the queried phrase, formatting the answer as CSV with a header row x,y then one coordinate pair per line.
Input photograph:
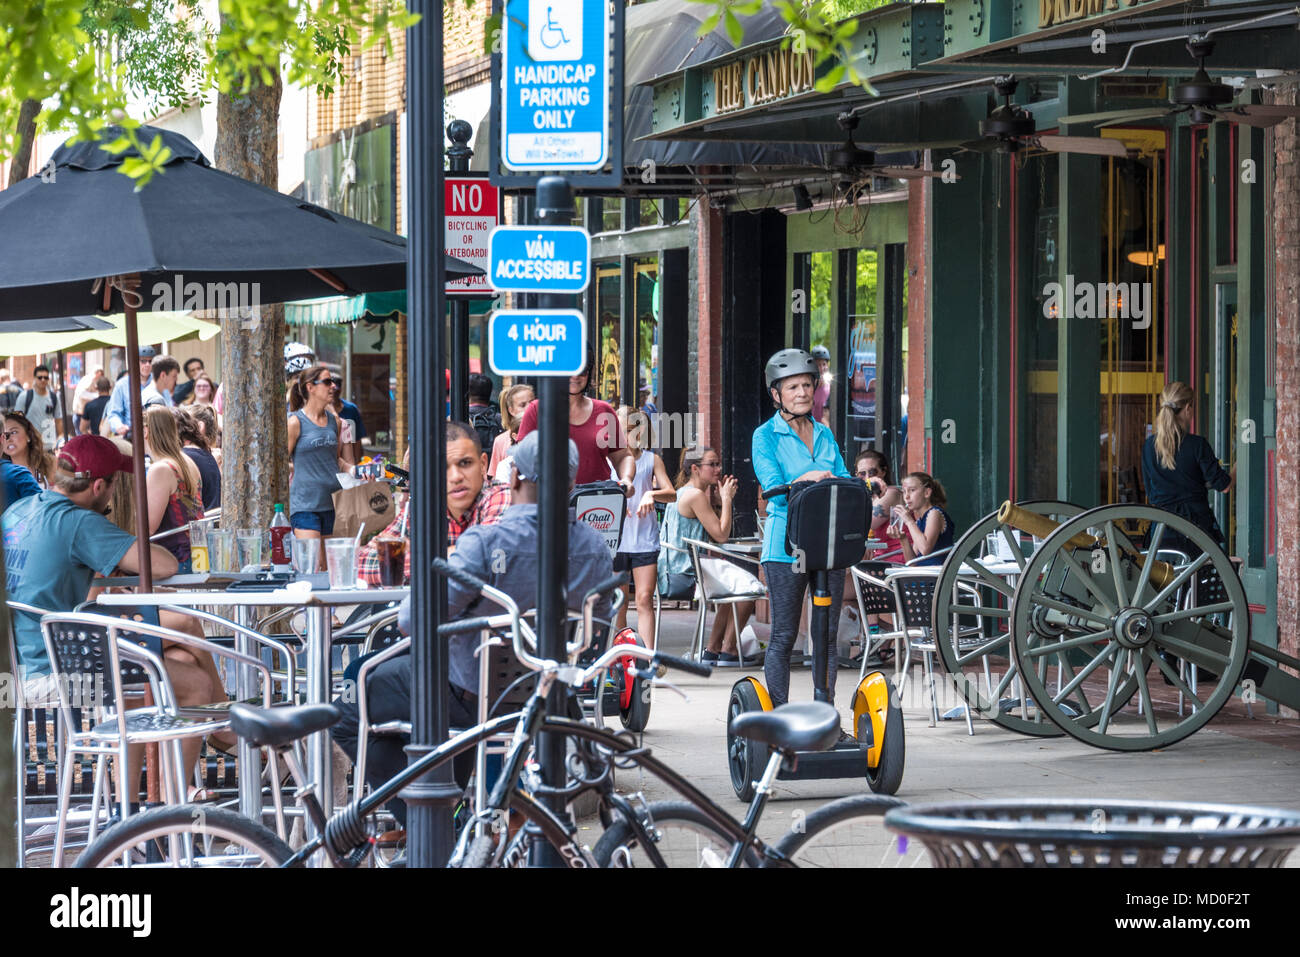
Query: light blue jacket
x,y
118,411
780,457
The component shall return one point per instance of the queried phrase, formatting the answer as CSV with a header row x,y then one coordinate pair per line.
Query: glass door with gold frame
x,y
1223,401
1131,306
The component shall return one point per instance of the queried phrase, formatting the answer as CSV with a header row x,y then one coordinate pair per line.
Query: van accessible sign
x,y
555,98
539,259
537,342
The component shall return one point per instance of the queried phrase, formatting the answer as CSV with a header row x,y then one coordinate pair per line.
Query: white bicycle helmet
x,y
297,356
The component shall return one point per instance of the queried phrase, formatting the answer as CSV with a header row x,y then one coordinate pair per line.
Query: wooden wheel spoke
x,y
1072,610
1088,639
1063,664
1176,680
1202,611
1116,569
1108,706
989,578
983,649
1179,579
1015,547
1087,581
1087,669
1145,692
1144,576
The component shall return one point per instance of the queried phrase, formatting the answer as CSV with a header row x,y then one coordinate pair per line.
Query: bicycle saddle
x,y
808,726
275,727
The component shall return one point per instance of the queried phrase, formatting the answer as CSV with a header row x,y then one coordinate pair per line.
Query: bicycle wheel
x,y
684,836
186,835
846,833
489,849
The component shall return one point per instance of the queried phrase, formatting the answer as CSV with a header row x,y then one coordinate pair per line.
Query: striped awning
x,y
370,307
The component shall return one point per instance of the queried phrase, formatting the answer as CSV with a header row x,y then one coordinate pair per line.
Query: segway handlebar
x,y
777,492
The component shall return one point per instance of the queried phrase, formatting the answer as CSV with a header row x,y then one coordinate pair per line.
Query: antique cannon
x,y
1050,618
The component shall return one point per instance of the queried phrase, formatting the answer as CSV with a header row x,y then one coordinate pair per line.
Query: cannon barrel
x,y
1040,526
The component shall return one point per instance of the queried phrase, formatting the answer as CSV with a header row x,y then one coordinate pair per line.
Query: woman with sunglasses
x,y
315,453
23,445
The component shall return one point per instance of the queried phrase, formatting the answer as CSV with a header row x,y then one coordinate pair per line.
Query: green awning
x,y
371,307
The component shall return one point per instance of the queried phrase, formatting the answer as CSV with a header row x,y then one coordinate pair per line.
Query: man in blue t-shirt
x,y
55,542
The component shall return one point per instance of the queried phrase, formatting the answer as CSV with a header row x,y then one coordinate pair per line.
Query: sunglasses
x,y
42,378
331,382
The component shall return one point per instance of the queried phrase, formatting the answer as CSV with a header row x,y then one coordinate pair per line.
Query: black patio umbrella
x,y
85,240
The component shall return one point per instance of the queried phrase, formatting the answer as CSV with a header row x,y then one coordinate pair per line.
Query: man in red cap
x,y
56,542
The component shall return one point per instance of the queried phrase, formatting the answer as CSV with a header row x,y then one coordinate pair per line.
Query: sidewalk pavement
x,y
1233,759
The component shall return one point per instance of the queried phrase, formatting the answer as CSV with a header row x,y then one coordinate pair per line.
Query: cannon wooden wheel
x,y
1119,623
971,622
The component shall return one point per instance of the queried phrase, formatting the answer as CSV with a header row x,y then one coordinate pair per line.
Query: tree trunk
x,y
26,140
254,470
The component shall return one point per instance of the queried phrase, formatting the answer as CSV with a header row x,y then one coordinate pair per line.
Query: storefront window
x,y
864,326
373,385
609,329
1132,343
611,215
646,306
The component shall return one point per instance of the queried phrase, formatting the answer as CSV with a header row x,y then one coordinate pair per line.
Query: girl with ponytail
x,y
1178,467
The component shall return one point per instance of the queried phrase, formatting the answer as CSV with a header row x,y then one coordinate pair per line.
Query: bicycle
x,y
696,831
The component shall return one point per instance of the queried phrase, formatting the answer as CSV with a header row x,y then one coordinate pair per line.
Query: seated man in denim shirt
x,y
477,552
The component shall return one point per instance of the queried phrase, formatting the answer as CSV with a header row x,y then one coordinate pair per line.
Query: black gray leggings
x,y
785,590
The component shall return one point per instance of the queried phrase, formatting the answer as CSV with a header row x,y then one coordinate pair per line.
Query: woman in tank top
x,y
174,485
638,550
315,452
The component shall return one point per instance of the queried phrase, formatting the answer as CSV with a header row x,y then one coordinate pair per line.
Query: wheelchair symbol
x,y
554,30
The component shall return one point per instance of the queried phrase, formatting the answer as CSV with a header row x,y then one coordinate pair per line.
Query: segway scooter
x,y
825,531
603,506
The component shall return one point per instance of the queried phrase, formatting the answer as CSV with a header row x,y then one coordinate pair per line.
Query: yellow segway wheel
x,y
746,759
878,722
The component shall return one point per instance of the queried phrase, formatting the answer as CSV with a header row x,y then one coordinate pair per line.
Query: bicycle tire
x,y
845,833
481,852
687,838
139,836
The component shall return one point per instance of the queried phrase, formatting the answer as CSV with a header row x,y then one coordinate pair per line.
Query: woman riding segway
x,y
788,448
818,517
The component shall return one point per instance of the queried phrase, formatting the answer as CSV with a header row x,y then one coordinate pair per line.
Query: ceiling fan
x,y
1201,98
1010,129
849,163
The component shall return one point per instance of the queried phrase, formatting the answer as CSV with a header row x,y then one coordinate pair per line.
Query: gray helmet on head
x,y
821,352
789,362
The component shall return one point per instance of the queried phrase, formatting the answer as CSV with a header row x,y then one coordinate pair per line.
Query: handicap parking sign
x,y
555,98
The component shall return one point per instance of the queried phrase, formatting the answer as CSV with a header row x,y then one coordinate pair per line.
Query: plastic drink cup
x,y
250,547
199,546
341,562
392,561
305,554
221,549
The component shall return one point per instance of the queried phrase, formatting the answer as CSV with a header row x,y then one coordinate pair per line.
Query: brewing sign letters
x,y
555,102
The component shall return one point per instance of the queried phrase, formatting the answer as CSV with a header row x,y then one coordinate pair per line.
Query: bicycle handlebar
x,y
458,575
682,664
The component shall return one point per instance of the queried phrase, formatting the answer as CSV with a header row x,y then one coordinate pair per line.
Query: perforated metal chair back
x,y
915,597
382,636
85,655
877,597
505,690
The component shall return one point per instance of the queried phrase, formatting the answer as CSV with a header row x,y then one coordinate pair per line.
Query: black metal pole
x,y
429,799
458,154
554,208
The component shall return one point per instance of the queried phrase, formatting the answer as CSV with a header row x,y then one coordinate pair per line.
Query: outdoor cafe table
x,y
317,606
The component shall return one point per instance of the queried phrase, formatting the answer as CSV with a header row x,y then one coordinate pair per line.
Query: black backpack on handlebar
x,y
828,522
